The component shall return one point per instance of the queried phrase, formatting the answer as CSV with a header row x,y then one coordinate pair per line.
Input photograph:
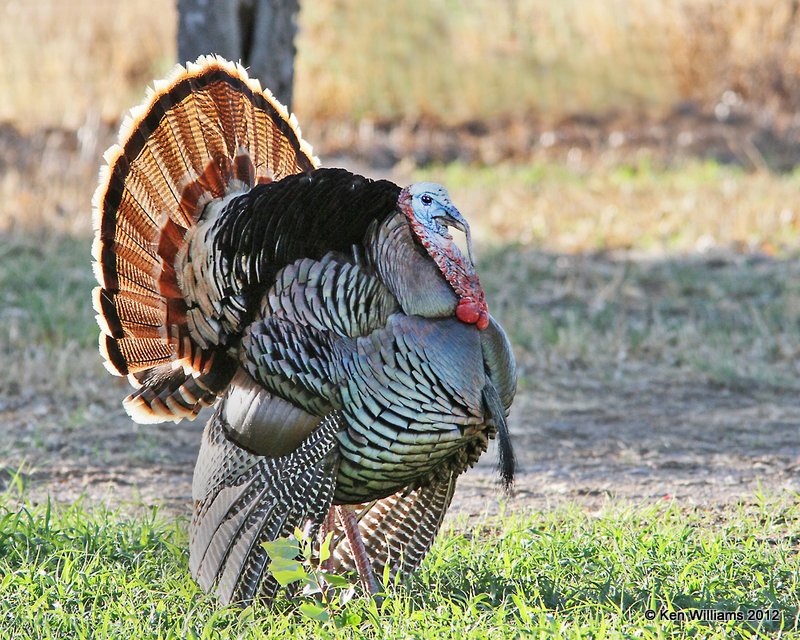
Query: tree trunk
x,y
271,56
259,33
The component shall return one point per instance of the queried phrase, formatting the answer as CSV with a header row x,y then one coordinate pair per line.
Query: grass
x,y
446,60
606,269
594,205
727,320
46,318
78,573
642,297
724,318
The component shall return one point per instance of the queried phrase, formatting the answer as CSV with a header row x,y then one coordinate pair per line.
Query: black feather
x,y
304,215
507,462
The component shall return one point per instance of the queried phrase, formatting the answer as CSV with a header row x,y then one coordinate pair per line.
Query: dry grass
x,y
588,205
47,329
457,61
70,64
725,320
719,316
46,181
471,59
622,283
584,205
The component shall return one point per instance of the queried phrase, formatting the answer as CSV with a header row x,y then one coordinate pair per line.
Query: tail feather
x,y
172,392
399,530
243,500
507,461
206,132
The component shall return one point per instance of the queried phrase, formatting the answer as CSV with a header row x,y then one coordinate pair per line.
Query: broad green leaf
x,y
336,581
325,547
287,570
288,573
282,548
246,615
312,587
353,619
315,612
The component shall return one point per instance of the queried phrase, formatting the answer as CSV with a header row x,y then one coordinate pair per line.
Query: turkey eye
x,y
426,199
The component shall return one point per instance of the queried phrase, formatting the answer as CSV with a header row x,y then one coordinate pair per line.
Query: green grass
x,y
74,573
45,287
47,326
602,204
730,321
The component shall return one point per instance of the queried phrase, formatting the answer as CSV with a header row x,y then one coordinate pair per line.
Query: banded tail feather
x,y
243,500
206,133
399,529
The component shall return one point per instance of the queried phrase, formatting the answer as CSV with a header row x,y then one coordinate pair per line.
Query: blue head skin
x,y
428,208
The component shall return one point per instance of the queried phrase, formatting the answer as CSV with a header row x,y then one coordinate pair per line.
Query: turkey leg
x,y
328,526
363,565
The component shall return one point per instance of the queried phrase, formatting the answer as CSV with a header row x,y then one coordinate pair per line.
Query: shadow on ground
x,y
639,379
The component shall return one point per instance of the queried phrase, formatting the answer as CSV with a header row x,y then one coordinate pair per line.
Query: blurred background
x,y
518,86
629,167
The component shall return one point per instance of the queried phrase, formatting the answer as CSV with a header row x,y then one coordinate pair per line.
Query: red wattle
x,y
471,312
468,312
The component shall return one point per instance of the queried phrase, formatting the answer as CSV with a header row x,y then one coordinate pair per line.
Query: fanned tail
x,y
243,500
206,133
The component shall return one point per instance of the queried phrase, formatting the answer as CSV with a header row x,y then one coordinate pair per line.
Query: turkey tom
x,y
332,321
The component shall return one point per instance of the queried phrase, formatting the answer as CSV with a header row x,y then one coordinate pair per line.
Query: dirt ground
x,y
643,439
584,443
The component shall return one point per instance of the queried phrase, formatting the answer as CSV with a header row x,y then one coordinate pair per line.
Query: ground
x,y
663,369
580,443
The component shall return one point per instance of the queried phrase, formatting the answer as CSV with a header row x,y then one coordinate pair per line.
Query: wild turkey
x,y
332,319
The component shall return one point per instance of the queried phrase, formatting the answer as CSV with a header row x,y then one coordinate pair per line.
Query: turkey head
x,y
430,212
